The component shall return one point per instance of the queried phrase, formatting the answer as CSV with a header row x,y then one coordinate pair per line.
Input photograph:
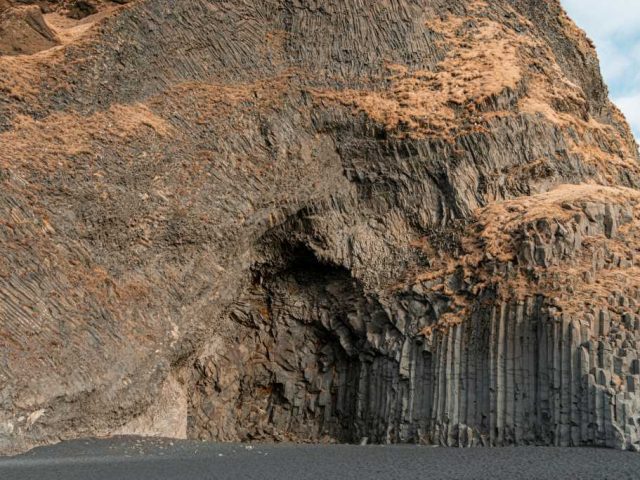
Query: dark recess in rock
x,y
407,220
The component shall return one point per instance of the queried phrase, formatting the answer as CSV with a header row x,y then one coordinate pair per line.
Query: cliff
x,y
314,220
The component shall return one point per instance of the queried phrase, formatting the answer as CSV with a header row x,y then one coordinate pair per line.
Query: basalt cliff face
x,y
314,220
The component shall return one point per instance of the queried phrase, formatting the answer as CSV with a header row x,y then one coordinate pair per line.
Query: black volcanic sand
x,y
133,458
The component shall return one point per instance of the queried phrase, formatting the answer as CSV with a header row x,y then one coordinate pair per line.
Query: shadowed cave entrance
x,y
313,359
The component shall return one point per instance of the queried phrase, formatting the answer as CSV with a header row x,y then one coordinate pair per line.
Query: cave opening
x,y
296,372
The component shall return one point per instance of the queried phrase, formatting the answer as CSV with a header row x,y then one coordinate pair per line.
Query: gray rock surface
x,y
411,220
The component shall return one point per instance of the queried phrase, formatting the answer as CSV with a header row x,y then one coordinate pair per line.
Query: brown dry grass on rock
x,y
23,31
482,63
53,142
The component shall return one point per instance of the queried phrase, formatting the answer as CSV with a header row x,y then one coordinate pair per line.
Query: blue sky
x,y
614,26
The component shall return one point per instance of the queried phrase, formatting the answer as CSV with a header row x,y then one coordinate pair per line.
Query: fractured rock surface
x,y
411,220
24,31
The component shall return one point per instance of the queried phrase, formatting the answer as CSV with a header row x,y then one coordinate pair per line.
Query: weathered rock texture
x,y
407,220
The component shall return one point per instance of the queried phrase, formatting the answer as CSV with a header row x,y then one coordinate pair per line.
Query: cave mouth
x,y
304,366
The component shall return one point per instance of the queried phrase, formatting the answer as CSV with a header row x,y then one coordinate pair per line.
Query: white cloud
x,y
631,108
615,63
606,18
614,26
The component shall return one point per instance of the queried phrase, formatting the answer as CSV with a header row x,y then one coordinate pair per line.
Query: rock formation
x,y
24,31
315,220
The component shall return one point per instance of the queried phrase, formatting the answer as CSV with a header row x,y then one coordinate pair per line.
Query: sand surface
x,y
133,458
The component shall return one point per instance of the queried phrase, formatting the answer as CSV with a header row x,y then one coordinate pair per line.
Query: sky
x,y
614,26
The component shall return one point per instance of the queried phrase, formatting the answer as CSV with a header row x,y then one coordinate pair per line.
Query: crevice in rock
x,y
307,337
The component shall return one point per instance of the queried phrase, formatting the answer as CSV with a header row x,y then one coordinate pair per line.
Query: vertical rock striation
x,y
531,348
410,220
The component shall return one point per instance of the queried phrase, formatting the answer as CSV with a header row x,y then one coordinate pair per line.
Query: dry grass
x,y
573,285
501,220
492,236
213,100
482,62
51,143
21,76
23,31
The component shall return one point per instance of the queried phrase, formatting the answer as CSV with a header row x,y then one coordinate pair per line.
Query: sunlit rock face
x,y
410,220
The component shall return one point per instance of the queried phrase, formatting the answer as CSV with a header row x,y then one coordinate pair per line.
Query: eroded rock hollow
x,y
303,220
